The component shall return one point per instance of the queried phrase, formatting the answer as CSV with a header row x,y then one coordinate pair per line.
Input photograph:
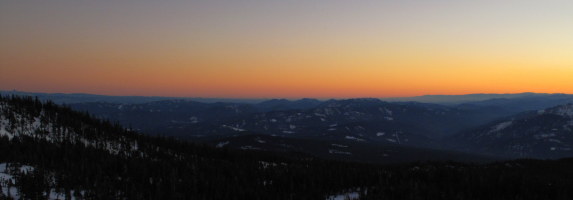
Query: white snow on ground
x,y
319,114
222,144
9,175
265,164
259,140
250,148
3,132
37,127
544,135
555,140
194,120
233,128
380,134
501,126
334,151
566,110
353,138
25,169
389,112
345,196
4,179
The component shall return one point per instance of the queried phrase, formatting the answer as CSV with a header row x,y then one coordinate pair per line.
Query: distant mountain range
x,y
321,128
69,98
459,99
361,118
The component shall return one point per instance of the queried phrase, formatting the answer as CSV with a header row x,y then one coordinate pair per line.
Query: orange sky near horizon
x,y
256,49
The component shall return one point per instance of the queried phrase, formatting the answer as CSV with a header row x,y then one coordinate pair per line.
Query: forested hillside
x,y
49,151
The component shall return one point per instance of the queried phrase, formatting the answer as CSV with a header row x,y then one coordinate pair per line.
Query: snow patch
x,y
233,128
259,140
37,128
334,151
501,126
389,112
345,196
222,144
544,135
250,148
555,140
565,111
353,138
194,120
9,174
319,115
265,164
339,145
3,132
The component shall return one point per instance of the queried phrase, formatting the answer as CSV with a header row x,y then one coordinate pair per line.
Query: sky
x,y
286,48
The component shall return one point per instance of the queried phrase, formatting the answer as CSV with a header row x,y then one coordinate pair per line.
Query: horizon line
x,y
269,98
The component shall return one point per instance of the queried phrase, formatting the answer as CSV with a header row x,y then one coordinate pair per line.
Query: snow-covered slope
x,y
8,174
15,124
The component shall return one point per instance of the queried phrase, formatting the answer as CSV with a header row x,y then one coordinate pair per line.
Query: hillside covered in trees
x,y
49,151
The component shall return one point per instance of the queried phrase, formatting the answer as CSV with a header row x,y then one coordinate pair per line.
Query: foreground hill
x,y
48,152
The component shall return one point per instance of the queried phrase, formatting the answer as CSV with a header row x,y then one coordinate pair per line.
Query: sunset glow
x,y
290,49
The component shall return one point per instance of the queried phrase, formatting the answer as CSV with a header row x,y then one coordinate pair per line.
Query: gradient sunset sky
x,y
286,48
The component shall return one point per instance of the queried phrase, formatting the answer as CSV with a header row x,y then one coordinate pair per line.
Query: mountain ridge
x,y
546,133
